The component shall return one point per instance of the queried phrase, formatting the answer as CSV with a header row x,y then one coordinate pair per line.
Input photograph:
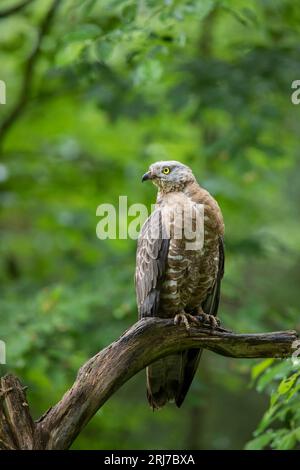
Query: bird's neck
x,y
192,188
167,188
180,186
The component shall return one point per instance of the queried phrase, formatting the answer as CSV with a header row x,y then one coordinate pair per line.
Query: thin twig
x,y
5,446
22,100
14,9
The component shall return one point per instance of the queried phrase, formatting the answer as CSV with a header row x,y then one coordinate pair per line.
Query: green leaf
x,y
261,367
297,433
285,442
129,13
274,398
293,392
88,6
260,442
267,419
104,50
277,371
287,383
82,33
149,71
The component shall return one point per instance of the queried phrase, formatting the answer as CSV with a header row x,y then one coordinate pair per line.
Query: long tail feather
x,y
169,379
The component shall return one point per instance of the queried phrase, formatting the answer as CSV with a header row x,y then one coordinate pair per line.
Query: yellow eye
x,y
166,170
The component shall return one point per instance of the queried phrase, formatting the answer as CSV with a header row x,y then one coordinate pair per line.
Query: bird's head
x,y
169,175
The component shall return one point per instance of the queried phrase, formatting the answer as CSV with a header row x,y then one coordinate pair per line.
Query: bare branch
x,y
14,9
144,343
16,425
19,106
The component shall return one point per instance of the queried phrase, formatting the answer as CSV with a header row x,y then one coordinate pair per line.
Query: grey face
x,y
169,175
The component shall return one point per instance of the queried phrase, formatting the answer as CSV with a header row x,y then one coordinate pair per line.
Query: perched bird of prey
x,y
175,278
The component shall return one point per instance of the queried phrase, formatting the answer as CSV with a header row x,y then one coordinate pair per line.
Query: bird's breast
x,y
190,273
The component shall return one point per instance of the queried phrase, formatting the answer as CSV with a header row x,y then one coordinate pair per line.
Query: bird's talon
x,y
213,321
186,319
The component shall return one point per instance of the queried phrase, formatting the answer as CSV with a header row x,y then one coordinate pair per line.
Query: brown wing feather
x,y
211,303
151,258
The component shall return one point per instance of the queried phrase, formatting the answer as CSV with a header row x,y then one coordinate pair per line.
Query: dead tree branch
x,y
144,343
16,424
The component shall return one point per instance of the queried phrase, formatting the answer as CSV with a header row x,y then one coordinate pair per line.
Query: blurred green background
x,y
95,93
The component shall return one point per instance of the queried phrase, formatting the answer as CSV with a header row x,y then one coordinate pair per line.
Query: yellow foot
x,y
213,321
186,319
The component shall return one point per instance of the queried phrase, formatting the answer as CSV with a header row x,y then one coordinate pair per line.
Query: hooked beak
x,y
146,176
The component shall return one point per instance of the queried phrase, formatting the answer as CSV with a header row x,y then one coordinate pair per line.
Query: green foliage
x,y
280,424
117,85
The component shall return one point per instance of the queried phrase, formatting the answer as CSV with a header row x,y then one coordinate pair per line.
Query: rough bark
x,y
16,424
144,343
